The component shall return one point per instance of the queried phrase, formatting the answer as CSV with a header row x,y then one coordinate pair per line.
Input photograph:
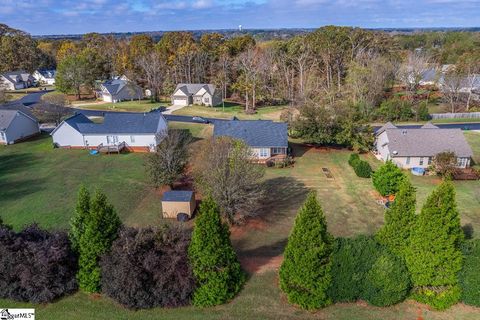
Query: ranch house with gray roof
x,y
267,139
186,94
416,147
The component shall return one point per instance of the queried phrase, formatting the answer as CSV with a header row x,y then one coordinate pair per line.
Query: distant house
x,y
138,132
266,138
45,76
16,80
416,147
17,124
118,90
196,93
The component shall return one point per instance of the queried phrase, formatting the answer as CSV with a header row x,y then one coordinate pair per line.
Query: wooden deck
x,y
117,148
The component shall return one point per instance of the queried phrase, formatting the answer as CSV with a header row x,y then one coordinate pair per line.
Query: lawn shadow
x,y
16,188
284,195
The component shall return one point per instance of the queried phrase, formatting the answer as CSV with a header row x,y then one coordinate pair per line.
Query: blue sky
x,y
75,16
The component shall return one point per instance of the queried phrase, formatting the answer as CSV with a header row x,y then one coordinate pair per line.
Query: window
x,y
429,160
2,136
207,100
421,161
408,160
263,152
462,162
132,138
278,150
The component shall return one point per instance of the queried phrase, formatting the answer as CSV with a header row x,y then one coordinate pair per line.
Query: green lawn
x,y
231,110
41,185
134,106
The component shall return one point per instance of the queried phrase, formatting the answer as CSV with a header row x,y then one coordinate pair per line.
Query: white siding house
x,y
16,126
416,147
137,131
45,76
16,80
118,90
196,93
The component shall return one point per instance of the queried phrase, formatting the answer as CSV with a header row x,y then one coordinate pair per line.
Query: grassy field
x,y
231,110
134,106
348,202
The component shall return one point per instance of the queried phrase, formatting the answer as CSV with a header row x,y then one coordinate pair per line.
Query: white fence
x,y
467,115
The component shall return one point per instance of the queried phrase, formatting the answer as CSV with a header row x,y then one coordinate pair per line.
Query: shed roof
x,y
177,196
255,133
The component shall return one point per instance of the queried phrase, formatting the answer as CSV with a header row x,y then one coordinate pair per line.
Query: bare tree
x,y
223,169
167,163
153,67
451,86
412,70
52,108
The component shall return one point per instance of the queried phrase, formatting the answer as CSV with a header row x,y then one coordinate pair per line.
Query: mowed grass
x,y
349,205
232,110
132,106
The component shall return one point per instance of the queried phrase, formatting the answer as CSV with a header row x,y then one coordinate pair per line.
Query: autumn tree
x,y
52,108
222,168
72,73
169,160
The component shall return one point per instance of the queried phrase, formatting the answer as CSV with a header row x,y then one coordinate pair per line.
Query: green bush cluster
x,y
438,298
362,168
388,178
364,269
469,278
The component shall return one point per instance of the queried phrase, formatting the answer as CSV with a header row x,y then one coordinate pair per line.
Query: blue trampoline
x,y
418,171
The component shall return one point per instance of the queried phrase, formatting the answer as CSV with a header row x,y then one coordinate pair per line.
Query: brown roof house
x,y
178,202
415,147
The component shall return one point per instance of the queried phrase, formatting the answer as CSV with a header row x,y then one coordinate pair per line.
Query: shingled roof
x,y
426,142
255,133
191,89
119,123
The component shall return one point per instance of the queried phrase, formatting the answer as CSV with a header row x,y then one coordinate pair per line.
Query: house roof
x,y
114,86
48,74
8,115
19,107
17,76
429,125
426,142
119,123
177,196
191,89
255,133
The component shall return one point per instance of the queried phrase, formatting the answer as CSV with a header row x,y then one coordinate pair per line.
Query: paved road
x,y
32,98
35,97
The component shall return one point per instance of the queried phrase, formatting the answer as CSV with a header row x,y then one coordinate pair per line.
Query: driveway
x,y
172,109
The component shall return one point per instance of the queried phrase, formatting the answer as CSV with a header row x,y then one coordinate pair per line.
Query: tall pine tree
x,y
434,257
217,272
399,220
98,229
305,272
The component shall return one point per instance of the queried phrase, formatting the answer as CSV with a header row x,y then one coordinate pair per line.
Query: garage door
x,y
180,102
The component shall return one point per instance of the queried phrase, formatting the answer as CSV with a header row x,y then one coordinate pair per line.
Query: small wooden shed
x,y
175,202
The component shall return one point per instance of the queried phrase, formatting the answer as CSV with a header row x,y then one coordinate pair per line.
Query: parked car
x,y
200,120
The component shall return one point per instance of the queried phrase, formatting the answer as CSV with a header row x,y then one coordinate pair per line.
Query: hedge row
x,y
362,168
362,269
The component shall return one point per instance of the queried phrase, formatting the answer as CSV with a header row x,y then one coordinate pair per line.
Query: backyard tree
x,y
82,212
387,179
72,73
223,169
433,255
168,162
305,272
98,230
216,269
445,164
52,108
399,220
470,277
